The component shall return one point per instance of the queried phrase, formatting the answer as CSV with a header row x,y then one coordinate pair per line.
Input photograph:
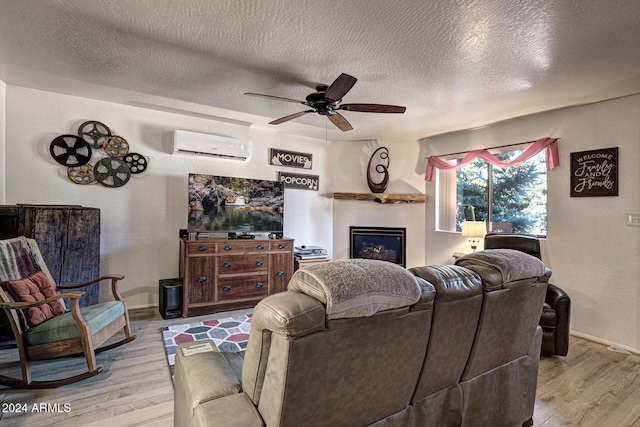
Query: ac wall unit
x,y
201,144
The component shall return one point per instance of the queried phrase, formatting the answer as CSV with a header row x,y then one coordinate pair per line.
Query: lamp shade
x,y
474,229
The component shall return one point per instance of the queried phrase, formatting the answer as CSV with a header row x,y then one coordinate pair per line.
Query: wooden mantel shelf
x,y
382,197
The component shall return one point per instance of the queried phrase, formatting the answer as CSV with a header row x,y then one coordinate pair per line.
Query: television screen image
x,y
235,205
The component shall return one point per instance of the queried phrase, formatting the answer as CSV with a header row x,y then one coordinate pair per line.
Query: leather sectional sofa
x,y
369,343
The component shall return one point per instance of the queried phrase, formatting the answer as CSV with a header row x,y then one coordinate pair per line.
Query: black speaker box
x,y
170,298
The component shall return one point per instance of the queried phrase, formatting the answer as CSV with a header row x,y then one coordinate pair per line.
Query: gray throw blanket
x,y
512,264
16,260
357,287
21,257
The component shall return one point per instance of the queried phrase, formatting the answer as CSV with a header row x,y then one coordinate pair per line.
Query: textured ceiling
x,y
454,64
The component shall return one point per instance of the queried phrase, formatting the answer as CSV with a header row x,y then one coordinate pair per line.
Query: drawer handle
x,y
227,265
280,273
226,288
281,246
259,263
202,279
202,248
260,247
228,248
259,285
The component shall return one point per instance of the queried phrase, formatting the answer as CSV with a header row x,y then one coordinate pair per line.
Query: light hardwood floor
x,y
592,386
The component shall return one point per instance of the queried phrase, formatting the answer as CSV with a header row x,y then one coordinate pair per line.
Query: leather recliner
x,y
556,312
302,367
463,352
481,365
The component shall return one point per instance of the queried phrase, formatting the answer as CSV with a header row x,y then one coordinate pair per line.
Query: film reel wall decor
x,y
115,165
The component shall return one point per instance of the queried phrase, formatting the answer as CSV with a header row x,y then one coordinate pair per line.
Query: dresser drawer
x,y
200,280
201,248
240,247
281,245
244,287
231,264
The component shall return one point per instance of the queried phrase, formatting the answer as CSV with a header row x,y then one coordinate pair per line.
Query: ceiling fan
x,y
326,101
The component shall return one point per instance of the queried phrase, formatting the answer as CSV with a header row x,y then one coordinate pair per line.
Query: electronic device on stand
x,y
306,255
309,252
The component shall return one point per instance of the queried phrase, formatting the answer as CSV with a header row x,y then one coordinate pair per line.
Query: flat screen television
x,y
222,204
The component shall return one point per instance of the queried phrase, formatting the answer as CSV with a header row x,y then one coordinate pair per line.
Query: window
x,y
510,200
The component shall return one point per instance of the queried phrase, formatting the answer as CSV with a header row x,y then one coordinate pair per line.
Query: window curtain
x,y
548,144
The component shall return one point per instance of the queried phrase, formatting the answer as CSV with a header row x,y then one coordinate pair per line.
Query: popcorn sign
x,y
299,181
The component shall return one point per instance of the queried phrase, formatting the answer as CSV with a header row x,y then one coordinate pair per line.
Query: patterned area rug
x,y
229,335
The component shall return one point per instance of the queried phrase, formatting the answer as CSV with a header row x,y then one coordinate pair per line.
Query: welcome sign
x,y
290,158
594,173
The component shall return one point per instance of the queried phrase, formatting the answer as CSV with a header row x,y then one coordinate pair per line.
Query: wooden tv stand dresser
x,y
227,274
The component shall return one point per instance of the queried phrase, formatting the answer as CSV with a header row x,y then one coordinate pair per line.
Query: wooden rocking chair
x,y
77,332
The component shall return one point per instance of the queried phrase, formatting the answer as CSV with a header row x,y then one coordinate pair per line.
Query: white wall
x,y
3,156
350,161
140,221
593,254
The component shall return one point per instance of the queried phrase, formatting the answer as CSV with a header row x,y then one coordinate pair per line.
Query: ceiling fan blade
x,y
339,120
340,87
373,108
277,98
290,117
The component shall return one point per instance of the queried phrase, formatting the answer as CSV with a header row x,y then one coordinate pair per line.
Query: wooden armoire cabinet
x,y
68,237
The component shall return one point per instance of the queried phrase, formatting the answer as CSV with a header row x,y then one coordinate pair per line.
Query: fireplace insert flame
x,y
381,243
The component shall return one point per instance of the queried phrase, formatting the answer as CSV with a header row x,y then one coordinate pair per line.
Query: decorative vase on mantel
x,y
381,156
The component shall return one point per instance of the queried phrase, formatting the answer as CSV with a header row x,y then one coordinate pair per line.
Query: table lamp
x,y
474,230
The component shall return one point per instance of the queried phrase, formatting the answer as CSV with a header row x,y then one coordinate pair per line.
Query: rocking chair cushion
x,y
32,288
63,327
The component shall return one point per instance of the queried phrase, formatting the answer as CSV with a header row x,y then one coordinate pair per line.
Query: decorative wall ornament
x,y
381,156
113,169
594,173
94,133
290,158
299,181
70,150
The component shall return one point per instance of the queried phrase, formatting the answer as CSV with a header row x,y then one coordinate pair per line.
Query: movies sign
x,y
292,159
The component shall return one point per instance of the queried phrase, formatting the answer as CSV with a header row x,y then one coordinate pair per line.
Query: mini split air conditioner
x,y
201,144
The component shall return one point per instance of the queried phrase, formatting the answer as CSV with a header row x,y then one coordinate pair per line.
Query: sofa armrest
x,y
229,411
556,296
202,374
560,301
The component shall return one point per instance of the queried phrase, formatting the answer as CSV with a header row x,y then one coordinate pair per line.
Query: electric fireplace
x,y
381,243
